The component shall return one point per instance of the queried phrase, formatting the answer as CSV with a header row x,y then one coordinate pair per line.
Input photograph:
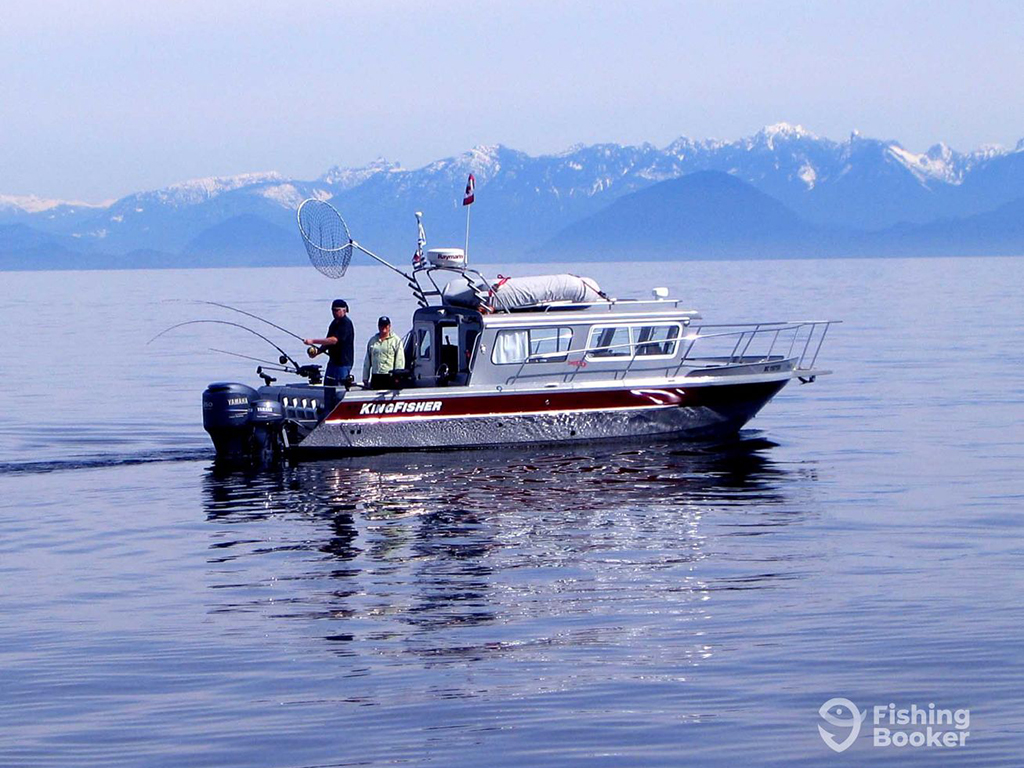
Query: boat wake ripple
x,y
102,461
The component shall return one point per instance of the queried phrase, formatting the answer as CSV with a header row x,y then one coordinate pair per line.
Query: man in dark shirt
x,y
338,344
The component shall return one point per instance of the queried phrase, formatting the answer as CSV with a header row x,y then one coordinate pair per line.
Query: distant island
x,y
782,192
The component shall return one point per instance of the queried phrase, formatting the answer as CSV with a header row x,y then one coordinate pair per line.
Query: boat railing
x,y
799,340
475,280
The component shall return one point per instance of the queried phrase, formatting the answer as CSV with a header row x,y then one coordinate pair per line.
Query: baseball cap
x,y
339,303
383,320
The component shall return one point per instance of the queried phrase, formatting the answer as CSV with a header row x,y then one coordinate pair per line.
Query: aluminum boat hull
x,y
446,419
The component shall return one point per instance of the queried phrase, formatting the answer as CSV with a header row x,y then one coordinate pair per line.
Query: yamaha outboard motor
x,y
242,425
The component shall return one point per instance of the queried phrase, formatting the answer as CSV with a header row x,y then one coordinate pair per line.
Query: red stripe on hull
x,y
541,402
511,403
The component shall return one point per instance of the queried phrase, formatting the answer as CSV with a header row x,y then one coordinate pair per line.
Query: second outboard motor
x,y
242,425
267,420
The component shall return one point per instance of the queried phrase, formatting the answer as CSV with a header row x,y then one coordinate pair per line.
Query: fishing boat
x,y
521,361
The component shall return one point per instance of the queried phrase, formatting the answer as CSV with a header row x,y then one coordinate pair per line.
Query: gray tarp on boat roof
x,y
517,292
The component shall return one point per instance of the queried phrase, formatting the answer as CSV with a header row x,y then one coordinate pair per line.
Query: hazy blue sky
x,y
98,99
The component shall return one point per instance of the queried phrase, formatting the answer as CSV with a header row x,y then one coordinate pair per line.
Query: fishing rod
x,y
253,316
244,357
285,357
311,372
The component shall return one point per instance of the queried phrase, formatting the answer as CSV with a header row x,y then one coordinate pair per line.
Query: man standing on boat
x,y
384,356
339,344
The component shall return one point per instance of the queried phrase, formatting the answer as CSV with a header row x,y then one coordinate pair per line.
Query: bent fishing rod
x,y
311,351
246,357
252,315
311,372
285,357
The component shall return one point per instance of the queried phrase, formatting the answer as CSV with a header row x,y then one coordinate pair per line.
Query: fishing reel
x,y
311,372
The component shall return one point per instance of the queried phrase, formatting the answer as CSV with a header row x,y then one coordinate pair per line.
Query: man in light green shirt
x,y
384,355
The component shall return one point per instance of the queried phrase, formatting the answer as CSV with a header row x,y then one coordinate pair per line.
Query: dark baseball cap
x,y
383,320
339,303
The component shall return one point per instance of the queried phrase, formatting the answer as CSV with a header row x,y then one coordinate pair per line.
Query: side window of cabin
x,y
519,345
510,347
643,340
610,342
549,342
657,340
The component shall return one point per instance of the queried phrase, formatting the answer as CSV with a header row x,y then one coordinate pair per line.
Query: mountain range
x,y
782,191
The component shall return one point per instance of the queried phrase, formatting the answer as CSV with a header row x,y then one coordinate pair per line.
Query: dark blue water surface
x,y
658,604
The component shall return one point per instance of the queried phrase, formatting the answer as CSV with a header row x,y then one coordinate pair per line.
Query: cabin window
x,y
611,342
423,343
549,342
448,351
642,340
510,347
522,345
657,340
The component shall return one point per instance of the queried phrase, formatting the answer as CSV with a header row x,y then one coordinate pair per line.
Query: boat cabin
x,y
453,345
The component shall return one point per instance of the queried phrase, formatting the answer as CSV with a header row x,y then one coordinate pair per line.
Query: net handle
x,y
379,260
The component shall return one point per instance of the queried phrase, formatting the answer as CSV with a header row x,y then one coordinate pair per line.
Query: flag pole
x,y
467,203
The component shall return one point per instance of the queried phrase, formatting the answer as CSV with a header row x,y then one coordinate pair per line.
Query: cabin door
x,y
443,351
425,350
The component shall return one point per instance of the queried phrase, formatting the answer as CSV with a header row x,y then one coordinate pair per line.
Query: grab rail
x,y
746,333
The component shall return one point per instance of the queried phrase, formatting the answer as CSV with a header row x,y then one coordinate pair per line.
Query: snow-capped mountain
x,y
23,204
523,200
346,178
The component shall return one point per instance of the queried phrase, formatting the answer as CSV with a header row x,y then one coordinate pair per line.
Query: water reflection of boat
x,y
655,474
411,544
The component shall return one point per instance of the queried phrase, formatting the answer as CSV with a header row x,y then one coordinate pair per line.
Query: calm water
x,y
651,605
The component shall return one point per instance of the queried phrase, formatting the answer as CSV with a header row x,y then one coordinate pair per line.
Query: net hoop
x,y
326,237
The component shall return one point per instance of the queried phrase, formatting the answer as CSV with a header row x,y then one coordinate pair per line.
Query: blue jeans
x,y
335,374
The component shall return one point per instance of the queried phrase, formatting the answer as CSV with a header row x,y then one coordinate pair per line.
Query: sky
x,y
105,98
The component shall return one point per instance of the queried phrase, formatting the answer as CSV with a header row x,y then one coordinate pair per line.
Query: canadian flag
x,y
421,240
470,190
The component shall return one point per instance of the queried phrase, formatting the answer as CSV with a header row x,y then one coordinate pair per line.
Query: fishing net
x,y
325,236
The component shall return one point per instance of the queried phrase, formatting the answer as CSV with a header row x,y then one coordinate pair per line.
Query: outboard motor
x,y
241,424
267,420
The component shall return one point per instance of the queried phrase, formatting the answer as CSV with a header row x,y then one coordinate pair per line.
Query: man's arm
x,y
366,364
330,341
